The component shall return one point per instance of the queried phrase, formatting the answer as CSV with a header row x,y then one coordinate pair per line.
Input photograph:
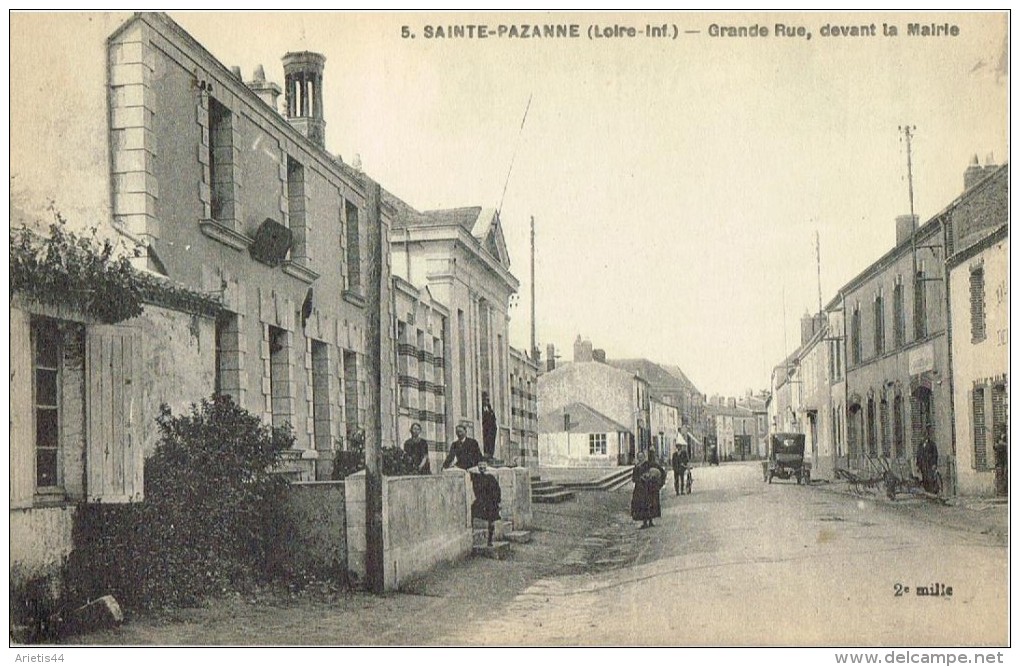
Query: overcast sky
x,y
677,185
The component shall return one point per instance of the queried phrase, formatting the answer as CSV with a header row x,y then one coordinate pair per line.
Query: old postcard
x,y
578,329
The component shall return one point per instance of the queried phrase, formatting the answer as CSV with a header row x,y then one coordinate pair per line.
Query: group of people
x,y
649,477
467,455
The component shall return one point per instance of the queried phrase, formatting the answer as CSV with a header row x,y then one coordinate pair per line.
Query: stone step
x,y
498,551
519,536
553,497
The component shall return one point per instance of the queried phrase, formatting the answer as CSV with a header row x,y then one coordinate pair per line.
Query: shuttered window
x,y
46,353
855,336
1000,400
899,434
980,428
879,324
884,426
977,305
920,305
872,446
899,323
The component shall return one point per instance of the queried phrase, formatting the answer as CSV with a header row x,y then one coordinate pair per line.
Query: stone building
x,y
578,436
523,409
460,255
897,384
979,334
618,394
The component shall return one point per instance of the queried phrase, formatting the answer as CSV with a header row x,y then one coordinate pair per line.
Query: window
x,y
883,425
920,305
977,305
899,321
351,392
879,324
462,360
46,353
228,368
296,209
597,444
872,425
221,162
280,394
353,247
321,435
855,335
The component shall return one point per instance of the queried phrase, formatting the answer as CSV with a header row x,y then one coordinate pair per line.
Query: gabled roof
x,y
727,411
481,223
583,419
661,378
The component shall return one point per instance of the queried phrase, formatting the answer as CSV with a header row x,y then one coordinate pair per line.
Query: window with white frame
x,y
596,443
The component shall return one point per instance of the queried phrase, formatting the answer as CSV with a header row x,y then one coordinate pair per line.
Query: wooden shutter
x,y
22,443
980,429
115,457
977,305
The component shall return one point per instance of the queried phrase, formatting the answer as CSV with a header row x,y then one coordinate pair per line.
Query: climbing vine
x,y
86,274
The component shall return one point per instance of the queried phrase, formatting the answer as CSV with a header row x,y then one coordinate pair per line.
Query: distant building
x,y
620,395
577,435
732,430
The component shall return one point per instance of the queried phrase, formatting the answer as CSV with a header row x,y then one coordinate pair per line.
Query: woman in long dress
x,y
648,478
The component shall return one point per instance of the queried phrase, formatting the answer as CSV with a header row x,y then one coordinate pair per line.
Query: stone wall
x,y
426,521
515,493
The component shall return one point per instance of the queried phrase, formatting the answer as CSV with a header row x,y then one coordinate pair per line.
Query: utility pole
x,y
374,563
907,132
534,344
818,262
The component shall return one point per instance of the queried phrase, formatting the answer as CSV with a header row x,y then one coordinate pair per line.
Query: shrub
x,y
208,519
346,462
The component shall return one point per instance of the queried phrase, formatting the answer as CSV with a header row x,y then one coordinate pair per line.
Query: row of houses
x,y
599,412
916,343
230,193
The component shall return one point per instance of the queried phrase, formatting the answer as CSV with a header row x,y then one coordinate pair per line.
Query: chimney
x,y
975,173
905,225
578,348
302,73
550,357
267,91
599,356
732,402
807,328
586,351
236,71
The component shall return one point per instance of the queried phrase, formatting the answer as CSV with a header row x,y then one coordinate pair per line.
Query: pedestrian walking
x,y
648,477
417,449
464,452
680,462
487,497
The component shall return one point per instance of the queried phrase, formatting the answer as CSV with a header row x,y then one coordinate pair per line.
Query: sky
x,y
677,185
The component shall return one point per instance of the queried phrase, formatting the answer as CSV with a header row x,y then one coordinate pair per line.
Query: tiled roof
x,y
583,419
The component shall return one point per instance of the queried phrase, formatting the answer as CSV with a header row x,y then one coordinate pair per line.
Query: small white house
x,y
578,435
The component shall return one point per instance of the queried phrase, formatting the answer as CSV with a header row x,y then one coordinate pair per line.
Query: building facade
x,y
619,395
460,255
579,436
523,409
979,307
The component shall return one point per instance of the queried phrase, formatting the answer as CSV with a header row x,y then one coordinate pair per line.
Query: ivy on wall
x,y
86,274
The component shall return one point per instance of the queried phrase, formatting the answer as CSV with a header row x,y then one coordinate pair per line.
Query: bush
x,y
208,519
396,462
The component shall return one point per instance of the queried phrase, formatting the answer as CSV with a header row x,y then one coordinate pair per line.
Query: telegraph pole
x,y
818,262
907,132
374,559
534,344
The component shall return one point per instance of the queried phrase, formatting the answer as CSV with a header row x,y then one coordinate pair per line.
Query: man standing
x,y
464,451
680,461
488,427
927,462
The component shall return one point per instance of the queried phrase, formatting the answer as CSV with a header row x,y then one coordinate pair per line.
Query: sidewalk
x,y
985,516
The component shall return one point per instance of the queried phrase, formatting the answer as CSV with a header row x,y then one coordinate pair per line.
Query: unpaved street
x,y
737,563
